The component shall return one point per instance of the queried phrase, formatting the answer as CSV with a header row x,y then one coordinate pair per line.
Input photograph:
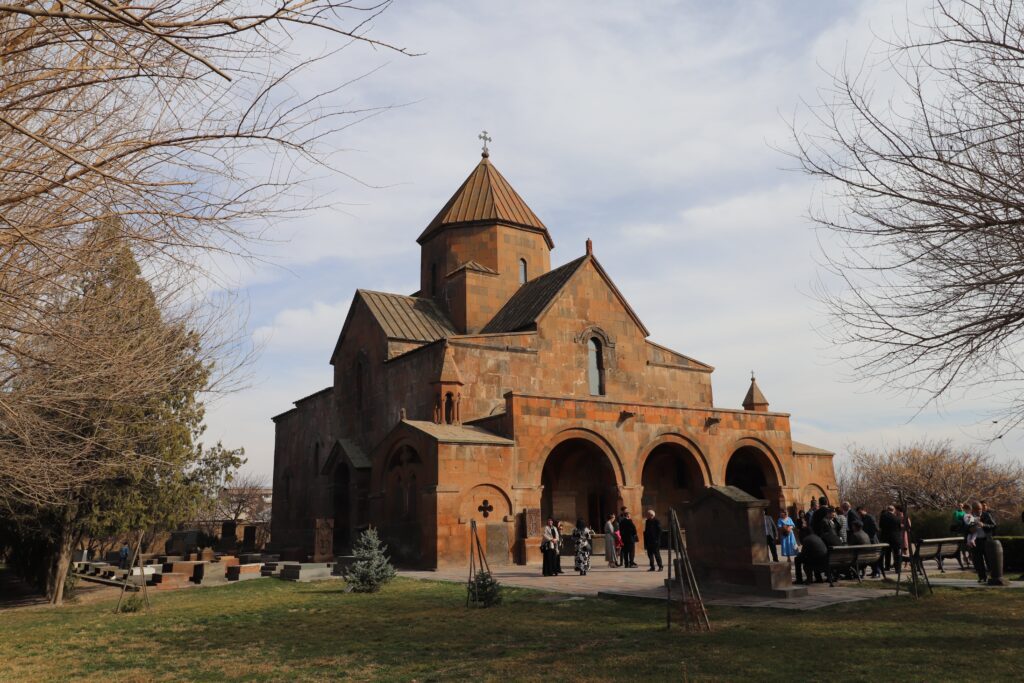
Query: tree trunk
x,y
60,562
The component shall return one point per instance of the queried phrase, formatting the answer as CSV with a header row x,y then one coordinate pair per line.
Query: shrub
x,y
133,603
372,568
485,591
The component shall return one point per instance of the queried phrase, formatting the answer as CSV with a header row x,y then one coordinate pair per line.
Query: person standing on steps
x,y
652,540
629,539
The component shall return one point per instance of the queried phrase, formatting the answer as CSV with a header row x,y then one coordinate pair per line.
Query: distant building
x,y
507,392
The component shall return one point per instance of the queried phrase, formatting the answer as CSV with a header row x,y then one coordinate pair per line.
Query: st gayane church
x,y
506,391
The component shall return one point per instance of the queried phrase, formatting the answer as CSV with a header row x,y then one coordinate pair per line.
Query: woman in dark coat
x,y
549,549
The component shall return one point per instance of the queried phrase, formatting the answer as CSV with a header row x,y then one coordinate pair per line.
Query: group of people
x,y
620,539
809,537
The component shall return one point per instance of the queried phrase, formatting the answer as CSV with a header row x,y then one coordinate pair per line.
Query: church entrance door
x,y
671,478
578,482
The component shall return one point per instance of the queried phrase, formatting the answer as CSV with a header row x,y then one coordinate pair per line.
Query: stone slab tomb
x,y
725,540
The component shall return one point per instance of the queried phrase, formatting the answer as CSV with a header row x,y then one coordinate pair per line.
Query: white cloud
x,y
648,127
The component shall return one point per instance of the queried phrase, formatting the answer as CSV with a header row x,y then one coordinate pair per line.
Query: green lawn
x,y
276,630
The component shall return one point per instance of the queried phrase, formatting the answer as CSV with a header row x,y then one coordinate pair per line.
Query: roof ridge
x,y
531,299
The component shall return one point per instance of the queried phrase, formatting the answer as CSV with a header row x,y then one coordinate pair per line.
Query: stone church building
x,y
506,391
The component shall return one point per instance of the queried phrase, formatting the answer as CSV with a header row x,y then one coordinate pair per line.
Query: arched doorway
x,y
579,482
342,510
402,529
671,478
750,469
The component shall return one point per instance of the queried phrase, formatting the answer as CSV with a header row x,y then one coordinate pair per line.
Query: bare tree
x,y
928,174
930,475
174,125
243,499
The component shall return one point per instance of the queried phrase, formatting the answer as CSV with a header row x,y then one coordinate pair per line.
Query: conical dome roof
x,y
754,400
486,197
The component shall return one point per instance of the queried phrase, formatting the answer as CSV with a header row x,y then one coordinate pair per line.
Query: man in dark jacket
x,y
821,516
889,532
812,557
857,536
871,529
652,540
828,531
627,530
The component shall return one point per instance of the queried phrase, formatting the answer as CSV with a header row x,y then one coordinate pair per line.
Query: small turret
x,y
754,399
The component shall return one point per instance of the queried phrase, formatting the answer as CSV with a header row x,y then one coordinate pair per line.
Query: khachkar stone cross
x,y
486,138
486,508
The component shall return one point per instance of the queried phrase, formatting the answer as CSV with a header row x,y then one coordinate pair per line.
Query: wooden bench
x,y
932,549
853,558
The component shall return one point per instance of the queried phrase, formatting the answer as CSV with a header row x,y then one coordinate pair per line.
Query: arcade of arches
x,y
579,481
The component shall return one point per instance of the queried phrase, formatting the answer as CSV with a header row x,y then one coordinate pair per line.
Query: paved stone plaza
x,y
642,584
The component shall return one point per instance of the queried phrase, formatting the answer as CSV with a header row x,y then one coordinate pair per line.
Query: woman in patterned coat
x,y
583,536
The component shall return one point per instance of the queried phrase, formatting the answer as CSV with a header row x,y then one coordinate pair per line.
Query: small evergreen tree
x,y
372,568
485,591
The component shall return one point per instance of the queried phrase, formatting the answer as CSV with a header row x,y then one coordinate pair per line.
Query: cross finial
x,y
486,138
751,375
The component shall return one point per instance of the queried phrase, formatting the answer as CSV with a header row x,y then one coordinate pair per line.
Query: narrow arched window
x,y
433,278
595,367
316,459
449,408
522,271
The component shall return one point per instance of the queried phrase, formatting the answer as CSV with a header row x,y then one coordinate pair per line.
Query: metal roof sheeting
x,y
408,317
532,298
485,196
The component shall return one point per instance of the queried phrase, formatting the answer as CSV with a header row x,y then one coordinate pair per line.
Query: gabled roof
x,y
407,318
458,433
346,448
486,197
528,304
473,265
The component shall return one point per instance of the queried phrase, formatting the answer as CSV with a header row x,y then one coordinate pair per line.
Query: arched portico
x,y
673,473
752,469
579,481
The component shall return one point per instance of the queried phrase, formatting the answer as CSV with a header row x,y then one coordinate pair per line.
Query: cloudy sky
x,y
652,128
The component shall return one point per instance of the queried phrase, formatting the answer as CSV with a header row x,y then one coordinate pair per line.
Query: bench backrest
x,y
932,548
849,555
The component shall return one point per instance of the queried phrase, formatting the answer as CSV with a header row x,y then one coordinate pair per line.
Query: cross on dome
x,y
486,138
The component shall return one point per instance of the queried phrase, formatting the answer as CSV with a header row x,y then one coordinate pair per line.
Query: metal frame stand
x,y
477,562
127,578
695,616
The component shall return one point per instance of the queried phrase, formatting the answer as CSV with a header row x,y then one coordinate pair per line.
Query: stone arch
x,y
579,480
593,437
811,491
490,507
497,500
341,499
607,340
752,469
685,442
672,472
401,478
768,452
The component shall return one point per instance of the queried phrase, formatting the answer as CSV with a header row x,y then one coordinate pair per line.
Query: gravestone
x,y
228,536
534,525
497,544
249,538
182,542
323,540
